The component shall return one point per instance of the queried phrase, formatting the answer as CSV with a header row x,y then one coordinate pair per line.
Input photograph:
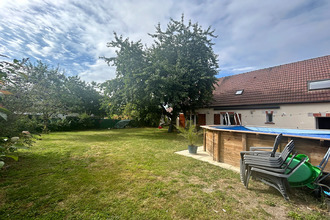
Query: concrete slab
x,y
204,156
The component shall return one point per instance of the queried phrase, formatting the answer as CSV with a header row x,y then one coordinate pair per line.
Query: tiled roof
x,y
275,85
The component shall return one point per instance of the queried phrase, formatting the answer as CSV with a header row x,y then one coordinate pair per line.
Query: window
x,y
321,84
269,117
323,122
223,119
230,118
239,92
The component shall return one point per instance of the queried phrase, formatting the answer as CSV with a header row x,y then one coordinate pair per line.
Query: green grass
x,y
134,174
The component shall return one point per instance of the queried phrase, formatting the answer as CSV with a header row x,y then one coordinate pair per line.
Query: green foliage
x,y
183,60
81,122
73,123
177,71
8,146
86,121
47,92
18,123
191,133
294,215
49,95
34,94
9,71
88,99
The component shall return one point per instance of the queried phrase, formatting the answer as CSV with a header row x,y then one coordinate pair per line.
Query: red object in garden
x,y
182,120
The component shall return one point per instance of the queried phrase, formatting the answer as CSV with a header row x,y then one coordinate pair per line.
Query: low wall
x,y
225,145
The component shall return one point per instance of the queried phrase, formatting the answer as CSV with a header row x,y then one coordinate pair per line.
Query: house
x,y
294,95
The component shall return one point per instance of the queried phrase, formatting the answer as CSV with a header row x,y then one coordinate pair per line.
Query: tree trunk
x,y
173,121
45,129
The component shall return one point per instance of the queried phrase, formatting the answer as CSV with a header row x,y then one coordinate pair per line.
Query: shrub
x,y
190,133
73,123
8,146
18,123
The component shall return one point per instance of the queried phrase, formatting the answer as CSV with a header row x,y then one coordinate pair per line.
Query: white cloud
x,y
244,69
252,34
34,49
98,72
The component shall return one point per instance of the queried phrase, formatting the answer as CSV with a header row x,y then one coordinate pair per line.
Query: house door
x,y
201,119
216,119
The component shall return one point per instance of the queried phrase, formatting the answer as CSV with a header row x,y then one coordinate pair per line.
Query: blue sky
x,y
252,34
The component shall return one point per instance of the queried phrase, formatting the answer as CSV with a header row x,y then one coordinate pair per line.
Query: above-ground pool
x,y
224,143
317,134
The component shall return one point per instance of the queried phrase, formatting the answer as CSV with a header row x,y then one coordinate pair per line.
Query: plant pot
x,y
192,149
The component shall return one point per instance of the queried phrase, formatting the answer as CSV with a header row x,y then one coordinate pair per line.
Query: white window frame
x,y
319,84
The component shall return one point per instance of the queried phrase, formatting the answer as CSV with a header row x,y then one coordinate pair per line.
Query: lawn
x,y
134,174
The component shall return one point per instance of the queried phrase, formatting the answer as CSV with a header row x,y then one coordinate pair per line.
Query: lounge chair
x,y
284,168
257,151
248,161
277,180
272,153
318,184
270,161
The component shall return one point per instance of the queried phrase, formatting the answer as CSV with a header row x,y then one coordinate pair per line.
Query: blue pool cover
x,y
322,134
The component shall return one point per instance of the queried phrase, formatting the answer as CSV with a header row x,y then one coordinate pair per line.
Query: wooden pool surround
x,y
225,145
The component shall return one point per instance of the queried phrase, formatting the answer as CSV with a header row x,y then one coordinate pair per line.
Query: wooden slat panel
x,y
204,139
244,142
217,146
313,149
209,142
226,146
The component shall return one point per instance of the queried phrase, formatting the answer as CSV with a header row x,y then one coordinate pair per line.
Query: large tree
x,y
177,71
47,92
87,98
10,73
127,95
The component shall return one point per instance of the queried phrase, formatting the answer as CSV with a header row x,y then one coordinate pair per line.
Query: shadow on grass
x,y
46,182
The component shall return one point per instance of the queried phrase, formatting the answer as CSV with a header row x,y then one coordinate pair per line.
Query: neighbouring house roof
x,y
284,84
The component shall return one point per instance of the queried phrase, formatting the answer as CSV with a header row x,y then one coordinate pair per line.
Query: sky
x,y
252,34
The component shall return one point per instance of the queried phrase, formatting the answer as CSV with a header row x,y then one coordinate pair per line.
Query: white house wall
x,y
299,116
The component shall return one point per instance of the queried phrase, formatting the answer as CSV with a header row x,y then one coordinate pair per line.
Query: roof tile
x,y
275,85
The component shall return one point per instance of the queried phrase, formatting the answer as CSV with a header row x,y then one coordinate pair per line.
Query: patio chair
x,y
273,149
283,169
270,161
277,180
318,184
257,151
247,161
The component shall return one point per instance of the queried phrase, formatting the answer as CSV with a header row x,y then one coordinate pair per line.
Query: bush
x,y
190,133
8,146
73,123
18,123
86,121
